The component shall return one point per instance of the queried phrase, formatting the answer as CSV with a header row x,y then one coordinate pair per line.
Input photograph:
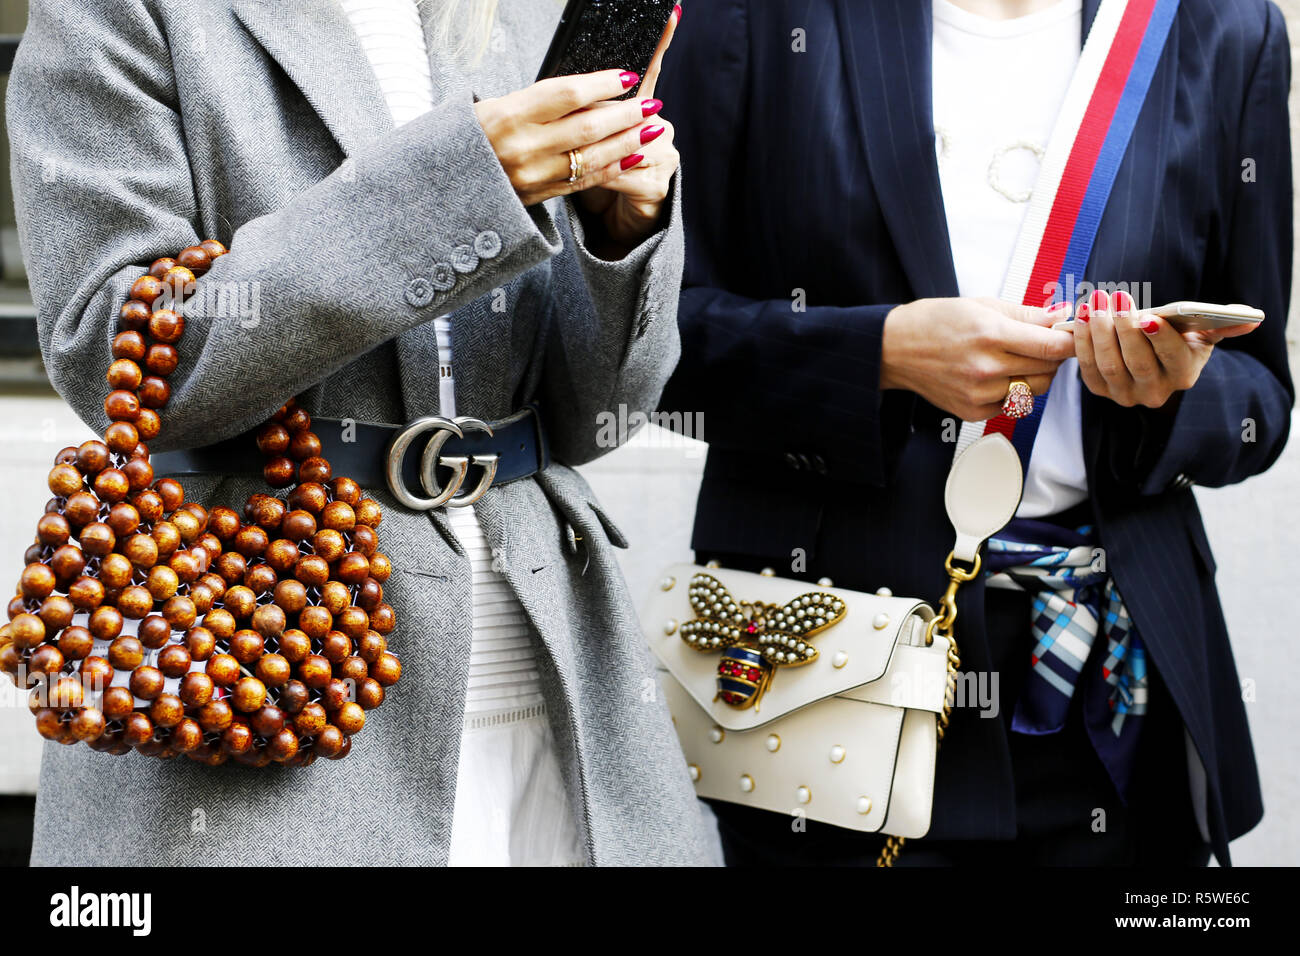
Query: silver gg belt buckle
x,y
432,458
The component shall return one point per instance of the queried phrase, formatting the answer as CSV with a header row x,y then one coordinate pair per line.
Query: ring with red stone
x,y
1020,399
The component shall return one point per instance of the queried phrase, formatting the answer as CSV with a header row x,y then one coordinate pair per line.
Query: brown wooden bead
x,y
386,669
251,541
167,710
336,647
371,646
106,623
329,545
141,550
154,632
65,480
166,326
122,406
273,439
126,652
214,716
187,525
260,578
368,512
281,555
312,570
240,601
95,674
269,620
53,530
329,742
76,643
188,564
81,509
147,289
200,642
194,258
283,746
353,568
161,359
273,670
148,424
37,581
223,669
304,444
154,392
231,566
315,671
86,593
97,539
56,611
134,315
294,645
346,490
196,689
168,538
370,693
10,661
310,721
267,511
134,602
180,612
186,736
162,582
173,495
279,472
46,659
294,696
212,248
220,622
257,757
298,525
316,621
88,724
296,418
115,570
66,456
353,622
174,660
370,594
26,631
224,523
121,437
350,718
268,720
291,595
249,694
138,473
92,457
137,729
354,668
67,563
247,646
124,374
49,723
112,484
117,702
315,469
382,619
129,346
146,681
237,738
160,266
309,496
67,693
335,694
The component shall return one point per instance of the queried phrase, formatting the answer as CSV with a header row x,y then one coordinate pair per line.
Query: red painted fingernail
x,y
1122,303
677,9
1083,313
628,79
1150,326
650,134
1100,301
630,161
1057,307
651,107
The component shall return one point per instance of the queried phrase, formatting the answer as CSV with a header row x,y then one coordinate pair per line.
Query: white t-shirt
x,y
998,85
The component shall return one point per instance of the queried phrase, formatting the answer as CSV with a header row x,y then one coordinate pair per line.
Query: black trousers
x,y
1060,785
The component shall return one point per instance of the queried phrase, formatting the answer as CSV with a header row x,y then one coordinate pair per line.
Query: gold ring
x,y
1020,399
575,166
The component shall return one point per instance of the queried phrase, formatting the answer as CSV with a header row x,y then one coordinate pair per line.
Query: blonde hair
x,y
463,27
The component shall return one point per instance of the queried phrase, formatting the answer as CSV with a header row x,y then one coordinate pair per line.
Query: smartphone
x,y
1198,316
596,35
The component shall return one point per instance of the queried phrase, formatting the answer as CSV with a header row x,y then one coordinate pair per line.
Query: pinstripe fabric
x,y
822,165
260,123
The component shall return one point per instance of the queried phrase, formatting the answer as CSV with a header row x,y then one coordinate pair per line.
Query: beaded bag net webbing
x,y
145,622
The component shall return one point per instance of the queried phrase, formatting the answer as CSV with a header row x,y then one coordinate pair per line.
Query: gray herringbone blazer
x,y
141,126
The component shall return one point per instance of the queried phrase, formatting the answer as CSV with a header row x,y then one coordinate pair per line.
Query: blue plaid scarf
x,y
1074,599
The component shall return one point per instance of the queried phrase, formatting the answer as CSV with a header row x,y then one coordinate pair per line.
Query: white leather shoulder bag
x,y
822,701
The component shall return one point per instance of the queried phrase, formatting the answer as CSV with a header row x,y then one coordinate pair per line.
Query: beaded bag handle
x,y
146,622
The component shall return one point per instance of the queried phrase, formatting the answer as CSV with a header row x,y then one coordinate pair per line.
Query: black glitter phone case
x,y
596,35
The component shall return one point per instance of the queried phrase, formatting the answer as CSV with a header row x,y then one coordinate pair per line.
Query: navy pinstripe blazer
x,y
813,174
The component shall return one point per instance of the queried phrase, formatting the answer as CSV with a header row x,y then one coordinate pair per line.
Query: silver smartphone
x,y
1198,316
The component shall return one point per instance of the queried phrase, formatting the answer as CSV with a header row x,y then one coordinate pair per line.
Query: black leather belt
x,y
433,453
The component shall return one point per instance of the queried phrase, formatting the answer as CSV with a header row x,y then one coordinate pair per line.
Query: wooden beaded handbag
x,y
145,622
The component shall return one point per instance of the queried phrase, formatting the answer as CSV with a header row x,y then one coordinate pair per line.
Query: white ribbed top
x,y
503,678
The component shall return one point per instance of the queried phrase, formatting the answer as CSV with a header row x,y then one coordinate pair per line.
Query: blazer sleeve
x,y
754,368
1234,422
103,185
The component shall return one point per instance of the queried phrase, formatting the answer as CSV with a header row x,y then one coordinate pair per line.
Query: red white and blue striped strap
x,y
1088,143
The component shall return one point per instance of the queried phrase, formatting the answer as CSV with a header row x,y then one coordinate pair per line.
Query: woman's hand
x,y
532,131
1136,358
630,205
961,354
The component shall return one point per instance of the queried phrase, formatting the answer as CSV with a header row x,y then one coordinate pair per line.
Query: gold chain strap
x,y
941,624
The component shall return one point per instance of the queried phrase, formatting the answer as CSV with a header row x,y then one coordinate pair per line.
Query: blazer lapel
x,y
887,49
316,46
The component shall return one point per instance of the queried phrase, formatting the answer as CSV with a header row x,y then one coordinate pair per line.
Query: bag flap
x,y
853,651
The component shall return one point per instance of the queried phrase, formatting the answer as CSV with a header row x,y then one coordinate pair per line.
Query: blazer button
x,y
463,259
792,460
444,277
487,244
419,292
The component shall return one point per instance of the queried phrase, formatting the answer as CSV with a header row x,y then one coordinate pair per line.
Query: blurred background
x,y
649,488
